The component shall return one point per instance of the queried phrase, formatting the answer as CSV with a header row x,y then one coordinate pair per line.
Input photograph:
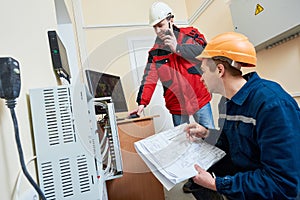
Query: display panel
x,y
107,85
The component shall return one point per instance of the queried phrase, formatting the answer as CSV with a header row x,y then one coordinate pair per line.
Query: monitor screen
x,y
107,85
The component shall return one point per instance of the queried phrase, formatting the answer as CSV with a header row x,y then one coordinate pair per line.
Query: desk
x,y
137,183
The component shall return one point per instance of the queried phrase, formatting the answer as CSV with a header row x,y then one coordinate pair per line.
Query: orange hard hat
x,y
232,45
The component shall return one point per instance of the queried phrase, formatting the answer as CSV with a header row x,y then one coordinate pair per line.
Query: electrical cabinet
x,y
266,22
69,147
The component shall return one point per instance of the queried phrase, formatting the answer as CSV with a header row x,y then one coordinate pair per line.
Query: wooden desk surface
x,y
136,119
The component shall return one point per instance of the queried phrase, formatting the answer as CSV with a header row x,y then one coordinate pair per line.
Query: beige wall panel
x,y
125,12
282,64
192,6
215,19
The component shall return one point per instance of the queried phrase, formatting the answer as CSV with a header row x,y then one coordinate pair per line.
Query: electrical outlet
x,y
29,194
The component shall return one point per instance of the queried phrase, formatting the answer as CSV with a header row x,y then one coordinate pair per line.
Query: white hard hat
x,y
158,12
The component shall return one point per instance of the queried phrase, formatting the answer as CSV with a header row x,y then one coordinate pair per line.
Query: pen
x,y
213,175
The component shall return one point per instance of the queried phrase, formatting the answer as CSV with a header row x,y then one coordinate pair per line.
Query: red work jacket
x,y
178,72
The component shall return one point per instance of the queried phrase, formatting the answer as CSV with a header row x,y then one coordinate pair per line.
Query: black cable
x,y
65,77
11,105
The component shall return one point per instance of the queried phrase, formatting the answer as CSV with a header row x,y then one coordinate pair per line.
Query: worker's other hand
x,y
170,39
138,111
195,130
204,178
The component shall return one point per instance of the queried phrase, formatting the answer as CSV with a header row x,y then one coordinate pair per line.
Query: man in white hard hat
x,y
172,61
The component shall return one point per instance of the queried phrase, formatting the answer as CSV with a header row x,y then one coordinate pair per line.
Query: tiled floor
x,y
176,193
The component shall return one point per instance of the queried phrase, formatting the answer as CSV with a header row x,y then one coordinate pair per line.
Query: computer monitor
x,y
107,85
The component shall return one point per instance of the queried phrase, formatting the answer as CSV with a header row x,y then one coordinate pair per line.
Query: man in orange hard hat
x,y
261,132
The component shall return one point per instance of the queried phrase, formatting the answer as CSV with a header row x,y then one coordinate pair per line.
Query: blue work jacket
x,y
261,134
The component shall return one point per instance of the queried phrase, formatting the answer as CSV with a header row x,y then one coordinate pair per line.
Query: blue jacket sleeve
x,y
278,139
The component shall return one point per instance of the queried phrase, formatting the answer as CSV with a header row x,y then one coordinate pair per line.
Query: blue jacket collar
x,y
240,97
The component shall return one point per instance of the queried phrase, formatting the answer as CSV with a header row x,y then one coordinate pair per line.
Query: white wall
x,y
23,31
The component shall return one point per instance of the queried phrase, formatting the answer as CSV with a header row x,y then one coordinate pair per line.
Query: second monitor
x,y
107,85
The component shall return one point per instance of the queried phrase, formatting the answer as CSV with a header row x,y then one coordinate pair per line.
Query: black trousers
x,y
222,168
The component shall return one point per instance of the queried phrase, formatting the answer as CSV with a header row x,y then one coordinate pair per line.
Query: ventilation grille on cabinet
x,y
48,180
80,172
52,125
58,106
66,177
84,181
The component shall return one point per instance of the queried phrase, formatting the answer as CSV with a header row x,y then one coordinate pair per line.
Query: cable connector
x,y
10,81
11,103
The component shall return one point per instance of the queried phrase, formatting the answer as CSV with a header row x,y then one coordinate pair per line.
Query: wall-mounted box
x,y
266,22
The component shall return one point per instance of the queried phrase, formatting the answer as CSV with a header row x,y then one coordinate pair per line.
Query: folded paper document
x,y
171,156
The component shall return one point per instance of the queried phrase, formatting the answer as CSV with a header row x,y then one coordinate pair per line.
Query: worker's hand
x,y
170,39
138,111
194,131
204,178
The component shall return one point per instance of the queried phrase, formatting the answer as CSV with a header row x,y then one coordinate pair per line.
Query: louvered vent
x,y
50,111
66,177
48,181
58,115
64,103
84,181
